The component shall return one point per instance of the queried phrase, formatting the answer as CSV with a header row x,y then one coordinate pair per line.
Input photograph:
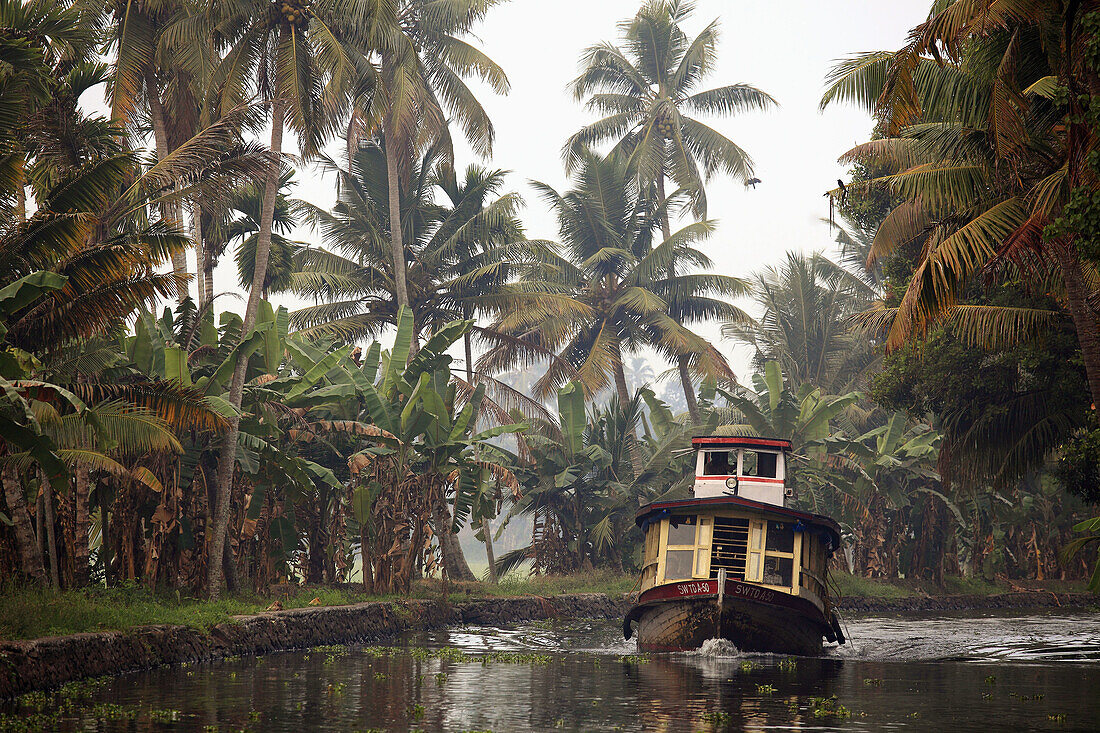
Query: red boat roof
x,y
740,441
736,501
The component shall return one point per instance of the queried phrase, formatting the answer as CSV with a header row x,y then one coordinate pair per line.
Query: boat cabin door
x,y
748,467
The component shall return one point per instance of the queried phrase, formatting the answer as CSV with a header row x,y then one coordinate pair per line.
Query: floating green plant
x,y
717,717
164,716
634,658
828,707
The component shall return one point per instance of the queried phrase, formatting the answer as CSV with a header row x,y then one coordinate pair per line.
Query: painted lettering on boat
x,y
754,593
694,589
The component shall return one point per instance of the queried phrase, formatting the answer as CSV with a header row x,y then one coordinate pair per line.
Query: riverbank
x,y
149,631
27,665
31,613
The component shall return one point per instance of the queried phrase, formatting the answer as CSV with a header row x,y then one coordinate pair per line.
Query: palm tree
x,y
299,58
649,89
463,250
808,303
244,229
986,156
148,79
419,82
604,291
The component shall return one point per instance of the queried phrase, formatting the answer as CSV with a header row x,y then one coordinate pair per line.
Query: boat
x,y
734,561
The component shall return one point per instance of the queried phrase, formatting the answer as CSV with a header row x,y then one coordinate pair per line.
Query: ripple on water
x,y
1043,638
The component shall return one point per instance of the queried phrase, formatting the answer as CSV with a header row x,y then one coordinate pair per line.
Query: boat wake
x,y
718,648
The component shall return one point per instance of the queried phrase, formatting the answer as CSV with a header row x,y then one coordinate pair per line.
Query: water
x,y
959,672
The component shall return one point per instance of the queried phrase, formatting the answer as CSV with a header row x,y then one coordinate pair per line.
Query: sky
x,y
783,48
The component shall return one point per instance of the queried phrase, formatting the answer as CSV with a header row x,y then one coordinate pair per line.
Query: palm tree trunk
x,y
397,244
397,236
200,254
620,379
82,523
682,359
624,399
468,345
170,212
104,535
454,562
227,458
1084,318
51,537
689,389
40,522
490,555
30,557
364,549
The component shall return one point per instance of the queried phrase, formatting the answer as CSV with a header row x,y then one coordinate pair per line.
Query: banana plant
x,y
776,410
424,428
888,474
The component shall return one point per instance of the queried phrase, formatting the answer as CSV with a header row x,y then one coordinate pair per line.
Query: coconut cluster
x,y
664,127
293,12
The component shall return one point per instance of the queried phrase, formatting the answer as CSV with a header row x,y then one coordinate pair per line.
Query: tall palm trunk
x,y
364,548
51,536
490,555
82,524
30,557
204,296
454,562
170,212
227,458
624,399
682,359
397,243
40,522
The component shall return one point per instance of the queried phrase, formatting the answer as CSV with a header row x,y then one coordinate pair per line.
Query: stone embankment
x,y
52,661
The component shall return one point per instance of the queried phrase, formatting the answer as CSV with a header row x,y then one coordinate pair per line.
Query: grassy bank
x,y
854,586
30,613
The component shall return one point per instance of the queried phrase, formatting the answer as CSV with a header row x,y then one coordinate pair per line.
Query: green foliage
x,y
1079,465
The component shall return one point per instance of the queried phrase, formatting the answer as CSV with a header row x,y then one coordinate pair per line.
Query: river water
x,y
956,672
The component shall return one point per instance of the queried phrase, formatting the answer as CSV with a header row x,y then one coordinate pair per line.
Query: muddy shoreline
x,y
52,661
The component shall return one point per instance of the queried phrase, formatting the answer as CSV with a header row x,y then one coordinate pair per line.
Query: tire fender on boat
x,y
631,616
834,623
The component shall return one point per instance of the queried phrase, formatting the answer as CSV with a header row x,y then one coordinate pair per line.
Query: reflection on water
x,y
962,672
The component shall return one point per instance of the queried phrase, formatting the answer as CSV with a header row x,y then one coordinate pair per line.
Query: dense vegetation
x,y
937,374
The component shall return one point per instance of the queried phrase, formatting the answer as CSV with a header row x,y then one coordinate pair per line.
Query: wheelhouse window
x,y
759,463
740,462
719,463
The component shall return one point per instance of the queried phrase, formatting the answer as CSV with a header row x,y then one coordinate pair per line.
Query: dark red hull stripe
x,y
736,591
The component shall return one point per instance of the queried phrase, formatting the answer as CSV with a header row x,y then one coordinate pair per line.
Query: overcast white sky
x,y
784,48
